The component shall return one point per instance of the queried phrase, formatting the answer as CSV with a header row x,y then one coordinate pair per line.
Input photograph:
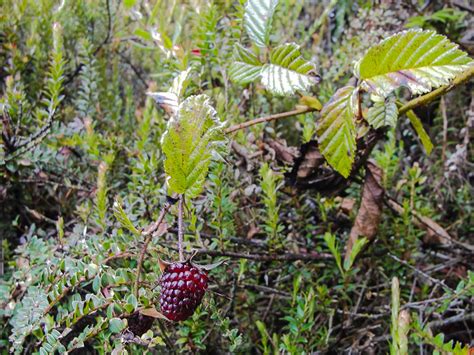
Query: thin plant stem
x,y
276,116
149,236
180,228
418,101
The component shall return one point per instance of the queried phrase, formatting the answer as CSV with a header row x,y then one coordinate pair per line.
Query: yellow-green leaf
x,y
420,131
419,60
336,130
192,135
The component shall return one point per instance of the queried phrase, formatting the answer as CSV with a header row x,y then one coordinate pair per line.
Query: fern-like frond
x,y
418,60
188,143
258,20
336,130
288,71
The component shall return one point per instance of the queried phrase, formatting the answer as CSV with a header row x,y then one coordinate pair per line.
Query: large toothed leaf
x,y
336,130
383,113
418,60
188,143
258,20
245,66
288,71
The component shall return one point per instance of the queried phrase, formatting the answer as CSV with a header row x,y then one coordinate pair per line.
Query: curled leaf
x,y
370,212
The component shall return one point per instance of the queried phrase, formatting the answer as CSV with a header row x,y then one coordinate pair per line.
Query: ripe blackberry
x,y
182,287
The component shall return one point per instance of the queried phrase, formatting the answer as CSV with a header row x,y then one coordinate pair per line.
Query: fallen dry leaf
x,y
370,211
312,159
347,205
283,153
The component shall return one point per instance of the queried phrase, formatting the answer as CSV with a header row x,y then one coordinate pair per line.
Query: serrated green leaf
x,y
383,113
420,131
288,71
418,60
336,130
188,143
258,20
245,67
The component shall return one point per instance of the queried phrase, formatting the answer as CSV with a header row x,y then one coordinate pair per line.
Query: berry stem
x,y
149,235
180,228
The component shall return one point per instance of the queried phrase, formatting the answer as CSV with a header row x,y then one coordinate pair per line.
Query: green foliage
x,y
420,131
223,207
188,143
245,67
123,219
270,183
331,243
336,129
400,323
27,317
287,71
438,343
77,130
446,20
418,60
258,20
384,112
356,249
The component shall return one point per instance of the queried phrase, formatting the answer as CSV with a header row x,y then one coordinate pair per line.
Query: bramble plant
x,y
145,224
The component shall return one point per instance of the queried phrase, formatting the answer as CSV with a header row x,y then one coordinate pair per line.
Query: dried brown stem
x,y
276,116
419,101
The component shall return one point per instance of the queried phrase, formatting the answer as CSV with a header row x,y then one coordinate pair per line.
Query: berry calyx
x,y
182,288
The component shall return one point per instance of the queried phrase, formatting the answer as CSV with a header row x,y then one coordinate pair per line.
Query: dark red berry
x,y
182,288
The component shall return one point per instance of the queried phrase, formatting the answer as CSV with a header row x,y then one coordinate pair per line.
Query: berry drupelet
x,y
182,287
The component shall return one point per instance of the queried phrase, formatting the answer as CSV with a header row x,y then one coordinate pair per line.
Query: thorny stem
x,y
180,228
149,235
